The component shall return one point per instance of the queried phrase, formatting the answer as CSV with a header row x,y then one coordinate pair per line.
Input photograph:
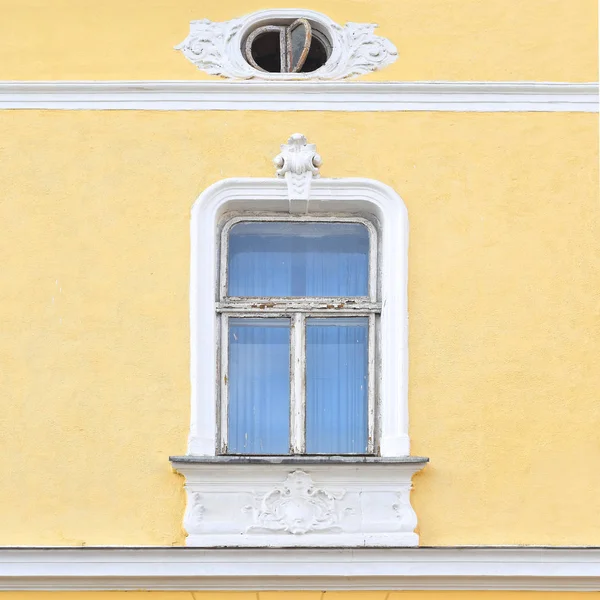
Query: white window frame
x,y
366,197
298,310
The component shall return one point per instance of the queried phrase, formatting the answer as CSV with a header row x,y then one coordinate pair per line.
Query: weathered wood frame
x,y
298,309
285,44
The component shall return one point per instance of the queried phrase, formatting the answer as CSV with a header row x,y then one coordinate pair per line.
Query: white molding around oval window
x,y
216,47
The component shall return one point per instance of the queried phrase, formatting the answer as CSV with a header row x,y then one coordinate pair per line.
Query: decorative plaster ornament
x,y
354,49
327,502
297,506
298,163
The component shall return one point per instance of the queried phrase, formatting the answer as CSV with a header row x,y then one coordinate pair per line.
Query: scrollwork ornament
x,y
404,511
216,47
208,47
194,515
366,51
297,506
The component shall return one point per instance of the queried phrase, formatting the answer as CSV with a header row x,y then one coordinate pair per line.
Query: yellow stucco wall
x,y
503,299
538,40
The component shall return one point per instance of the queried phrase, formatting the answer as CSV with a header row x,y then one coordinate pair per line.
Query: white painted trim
x,y
298,383
516,96
351,195
470,568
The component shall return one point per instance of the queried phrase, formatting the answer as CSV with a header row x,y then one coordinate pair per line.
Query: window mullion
x,y
224,376
298,384
371,385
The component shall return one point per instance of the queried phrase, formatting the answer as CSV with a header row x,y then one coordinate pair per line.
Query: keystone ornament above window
x,y
286,44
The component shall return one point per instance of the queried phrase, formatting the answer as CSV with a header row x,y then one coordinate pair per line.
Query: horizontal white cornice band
x,y
469,568
314,96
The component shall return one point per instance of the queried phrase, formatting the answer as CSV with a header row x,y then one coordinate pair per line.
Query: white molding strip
x,y
467,568
312,96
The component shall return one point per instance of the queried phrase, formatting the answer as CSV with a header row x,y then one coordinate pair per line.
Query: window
x,y
263,200
299,346
286,44
298,306
293,48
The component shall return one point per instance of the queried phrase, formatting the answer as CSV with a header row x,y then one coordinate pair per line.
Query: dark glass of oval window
x,y
266,51
317,56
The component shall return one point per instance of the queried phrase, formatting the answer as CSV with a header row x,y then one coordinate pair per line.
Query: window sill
x,y
305,459
299,501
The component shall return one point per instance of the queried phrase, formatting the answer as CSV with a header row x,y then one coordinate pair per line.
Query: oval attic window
x,y
287,48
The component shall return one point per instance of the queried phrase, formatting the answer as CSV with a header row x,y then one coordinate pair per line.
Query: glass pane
x,y
300,37
266,51
283,258
259,386
336,385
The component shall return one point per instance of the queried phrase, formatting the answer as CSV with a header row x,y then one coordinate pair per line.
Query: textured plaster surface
x,y
504,273
537,40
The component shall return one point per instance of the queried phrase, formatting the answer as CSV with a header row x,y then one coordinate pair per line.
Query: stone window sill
x,y
305,459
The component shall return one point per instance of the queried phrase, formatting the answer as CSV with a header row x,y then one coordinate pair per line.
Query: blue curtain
x,y
336,385
259,386
298,259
